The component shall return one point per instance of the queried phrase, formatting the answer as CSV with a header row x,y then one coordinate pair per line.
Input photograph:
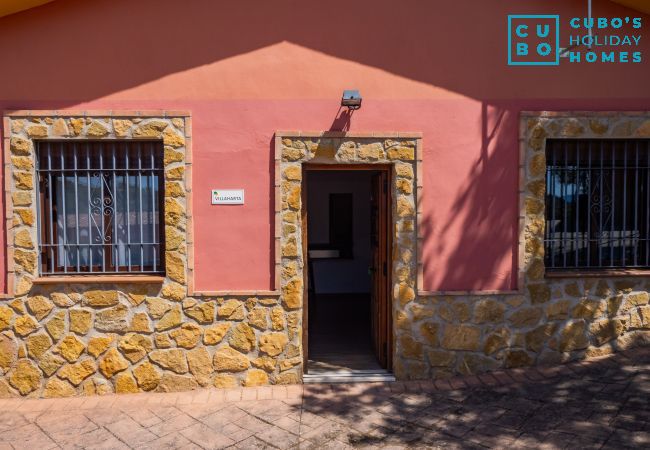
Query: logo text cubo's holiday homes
x,y
535,40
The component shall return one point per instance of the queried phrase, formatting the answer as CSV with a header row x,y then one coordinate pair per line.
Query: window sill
x,y
96,279
598,273
252,293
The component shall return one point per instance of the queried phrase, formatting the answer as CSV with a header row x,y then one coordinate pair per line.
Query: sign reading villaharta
x,y
534,40
227,196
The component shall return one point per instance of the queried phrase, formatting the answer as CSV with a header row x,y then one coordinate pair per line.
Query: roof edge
x,y
8,7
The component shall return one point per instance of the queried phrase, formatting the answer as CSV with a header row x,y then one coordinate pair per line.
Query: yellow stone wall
x,y
101,337
549,320
583,317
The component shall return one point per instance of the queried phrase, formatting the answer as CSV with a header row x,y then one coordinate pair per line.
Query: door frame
x,y
388,326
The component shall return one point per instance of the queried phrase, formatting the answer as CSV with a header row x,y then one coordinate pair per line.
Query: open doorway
x,y
347,265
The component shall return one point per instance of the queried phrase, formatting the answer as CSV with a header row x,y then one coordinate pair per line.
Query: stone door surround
x,y
403,152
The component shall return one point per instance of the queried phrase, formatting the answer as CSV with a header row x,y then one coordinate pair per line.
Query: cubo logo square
x,y
533,40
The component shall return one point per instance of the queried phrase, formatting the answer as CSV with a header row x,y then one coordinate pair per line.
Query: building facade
x,y
506,208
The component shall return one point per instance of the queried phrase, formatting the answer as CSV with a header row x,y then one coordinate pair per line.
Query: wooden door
x,y
379,270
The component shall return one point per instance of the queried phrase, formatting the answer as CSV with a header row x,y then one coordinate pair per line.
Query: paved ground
x,y
600,404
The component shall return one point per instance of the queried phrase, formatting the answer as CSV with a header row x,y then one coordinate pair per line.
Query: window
x,y
100,206
597,204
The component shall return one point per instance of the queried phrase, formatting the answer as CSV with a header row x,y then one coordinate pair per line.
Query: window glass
x,y
597,203
100,206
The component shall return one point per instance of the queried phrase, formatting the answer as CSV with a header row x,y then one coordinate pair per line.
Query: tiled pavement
x,y
599,404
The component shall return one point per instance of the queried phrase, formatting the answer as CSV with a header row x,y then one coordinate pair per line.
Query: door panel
x,y
379,269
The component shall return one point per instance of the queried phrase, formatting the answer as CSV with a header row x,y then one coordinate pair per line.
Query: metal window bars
x,y
597,204
100,206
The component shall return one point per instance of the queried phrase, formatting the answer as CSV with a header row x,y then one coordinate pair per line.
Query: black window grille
x,y
597,204
100,206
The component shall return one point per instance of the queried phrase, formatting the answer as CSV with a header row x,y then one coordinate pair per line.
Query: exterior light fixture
x,y
351,99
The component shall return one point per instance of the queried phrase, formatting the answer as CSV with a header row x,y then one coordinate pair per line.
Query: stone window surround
x,y
10,116
533,126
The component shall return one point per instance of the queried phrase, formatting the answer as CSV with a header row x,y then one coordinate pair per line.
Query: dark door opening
x,y
345,225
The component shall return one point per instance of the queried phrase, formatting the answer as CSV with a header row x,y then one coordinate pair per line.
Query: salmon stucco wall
x,y
452,84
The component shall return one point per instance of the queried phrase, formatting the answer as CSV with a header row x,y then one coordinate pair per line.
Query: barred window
x,y
100,206
597,204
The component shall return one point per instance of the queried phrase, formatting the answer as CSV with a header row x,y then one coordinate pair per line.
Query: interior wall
x,y
340,275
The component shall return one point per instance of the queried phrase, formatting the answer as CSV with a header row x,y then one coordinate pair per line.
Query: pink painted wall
x,y
247,68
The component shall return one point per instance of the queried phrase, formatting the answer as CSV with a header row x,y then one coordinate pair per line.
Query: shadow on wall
x,y
103,48
115,45
580,406
342,121
488,236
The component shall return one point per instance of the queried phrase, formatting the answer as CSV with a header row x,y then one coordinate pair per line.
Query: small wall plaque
x,y
227,196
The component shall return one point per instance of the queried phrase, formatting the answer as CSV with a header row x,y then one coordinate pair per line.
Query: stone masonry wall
x,y
97,337
551,320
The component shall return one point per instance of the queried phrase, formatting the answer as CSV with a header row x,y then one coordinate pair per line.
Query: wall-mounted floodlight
x,y
351,99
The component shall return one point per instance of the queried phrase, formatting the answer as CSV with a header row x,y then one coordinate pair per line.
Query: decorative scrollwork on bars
x,y
104,207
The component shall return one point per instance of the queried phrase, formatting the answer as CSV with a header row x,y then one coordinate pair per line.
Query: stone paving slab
x,y
601,403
